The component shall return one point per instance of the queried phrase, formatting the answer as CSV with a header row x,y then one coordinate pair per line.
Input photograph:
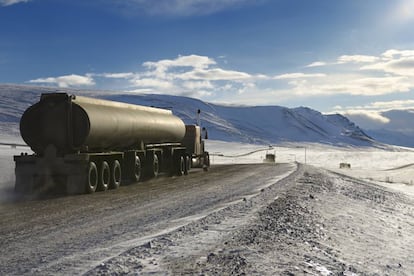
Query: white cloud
x,y
196,93
298,76
162,69
403,66
67,81
141,91
381,85
393,53
391,105
117,75
368,115
356,59
246,88
351,84
371,115
202,76
316,64
198,85
214,74
195,61
367,119
378,106
191,75
388,73
152,83
5,3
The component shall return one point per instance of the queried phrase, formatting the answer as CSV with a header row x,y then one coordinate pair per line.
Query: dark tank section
x,y
72,124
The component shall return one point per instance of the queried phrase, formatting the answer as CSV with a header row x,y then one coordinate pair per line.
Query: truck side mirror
x,y
205,133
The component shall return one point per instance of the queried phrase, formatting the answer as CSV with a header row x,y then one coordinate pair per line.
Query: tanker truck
x,y
82,145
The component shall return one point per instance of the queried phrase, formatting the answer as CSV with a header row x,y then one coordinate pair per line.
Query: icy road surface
x,y
72,235
312,222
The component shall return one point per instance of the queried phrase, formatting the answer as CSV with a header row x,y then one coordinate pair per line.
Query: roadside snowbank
x,y
392,168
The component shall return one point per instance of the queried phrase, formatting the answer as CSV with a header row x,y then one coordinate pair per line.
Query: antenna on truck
x,y
203,130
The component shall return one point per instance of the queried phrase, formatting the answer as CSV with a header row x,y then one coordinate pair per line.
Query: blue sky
x,y
348,56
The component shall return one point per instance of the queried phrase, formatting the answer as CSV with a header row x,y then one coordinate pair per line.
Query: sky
x,y
346,56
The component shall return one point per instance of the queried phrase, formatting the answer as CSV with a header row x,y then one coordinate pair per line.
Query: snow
x,y
389,166
321,269
392,169
247,124
7,176
241,135
299,134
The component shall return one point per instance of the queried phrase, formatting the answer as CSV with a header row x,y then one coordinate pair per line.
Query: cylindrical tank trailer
x,y
82,144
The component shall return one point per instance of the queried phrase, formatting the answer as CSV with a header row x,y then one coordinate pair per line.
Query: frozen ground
x,y
312,222
319,220
392,168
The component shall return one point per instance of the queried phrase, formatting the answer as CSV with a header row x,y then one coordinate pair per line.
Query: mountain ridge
x,y
247,124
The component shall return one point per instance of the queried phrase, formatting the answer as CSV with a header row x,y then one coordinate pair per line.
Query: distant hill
x,y
259,125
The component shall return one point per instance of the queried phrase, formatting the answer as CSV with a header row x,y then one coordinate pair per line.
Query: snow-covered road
x,y
72,235
313,222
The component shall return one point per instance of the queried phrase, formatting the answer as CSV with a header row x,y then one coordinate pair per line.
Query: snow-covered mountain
x,y
259,125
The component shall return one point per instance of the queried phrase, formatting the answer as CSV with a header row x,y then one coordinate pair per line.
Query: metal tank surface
x,y
75,123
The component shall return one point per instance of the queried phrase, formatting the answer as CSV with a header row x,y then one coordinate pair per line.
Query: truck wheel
x,y
92,181
181,166
206,161
137,169
116,175
104,176
155,166
187,164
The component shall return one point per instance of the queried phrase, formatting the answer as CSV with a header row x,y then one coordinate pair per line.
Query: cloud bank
x,y
66,81
391,72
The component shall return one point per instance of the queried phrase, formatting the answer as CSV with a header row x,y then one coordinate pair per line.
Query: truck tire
x,y
187,164
137,169
155,166
92,179
206,161
116,175
104,176
180,166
